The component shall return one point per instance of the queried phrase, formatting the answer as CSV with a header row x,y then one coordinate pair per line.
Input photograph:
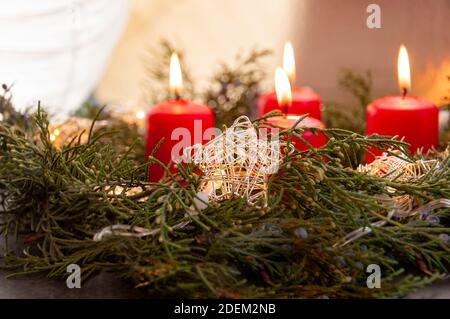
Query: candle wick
x,y
404,92
177,96
285,109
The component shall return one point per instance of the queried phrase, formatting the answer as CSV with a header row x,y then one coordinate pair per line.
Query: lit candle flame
x,y
404,72
289,62
283,89
175,77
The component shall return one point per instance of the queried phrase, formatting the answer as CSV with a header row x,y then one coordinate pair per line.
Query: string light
x,y
140,114
52,137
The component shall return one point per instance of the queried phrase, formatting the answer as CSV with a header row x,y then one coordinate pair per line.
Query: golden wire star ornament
x,y
405,206
236,163
400,169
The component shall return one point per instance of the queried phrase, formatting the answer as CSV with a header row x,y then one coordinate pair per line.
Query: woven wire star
x,y
236,163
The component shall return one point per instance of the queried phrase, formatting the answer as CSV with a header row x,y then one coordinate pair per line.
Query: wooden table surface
x,y
106,285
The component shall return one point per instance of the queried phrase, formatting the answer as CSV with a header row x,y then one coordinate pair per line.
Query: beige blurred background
x,y
327,35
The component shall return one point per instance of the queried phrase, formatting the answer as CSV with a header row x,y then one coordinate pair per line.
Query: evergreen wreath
x,y
55,199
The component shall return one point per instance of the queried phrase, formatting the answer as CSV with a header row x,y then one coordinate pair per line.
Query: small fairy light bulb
x,y
1,117
54,134
52,137
140,114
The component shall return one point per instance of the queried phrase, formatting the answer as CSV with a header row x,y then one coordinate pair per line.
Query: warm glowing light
x,y
176,78
283,88
289,62
56,132
404,72
52,137
140,114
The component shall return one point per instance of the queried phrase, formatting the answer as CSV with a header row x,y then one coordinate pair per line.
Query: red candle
x,y
304,99
181,123
411,118
289,121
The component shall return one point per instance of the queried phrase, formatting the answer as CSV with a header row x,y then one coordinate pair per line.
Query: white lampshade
x,y
56,51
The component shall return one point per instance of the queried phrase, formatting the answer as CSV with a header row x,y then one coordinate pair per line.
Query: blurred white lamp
x,y
57,50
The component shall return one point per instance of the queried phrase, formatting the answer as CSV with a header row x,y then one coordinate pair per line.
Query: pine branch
x,y
8,114
350,117
157,62
235,88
